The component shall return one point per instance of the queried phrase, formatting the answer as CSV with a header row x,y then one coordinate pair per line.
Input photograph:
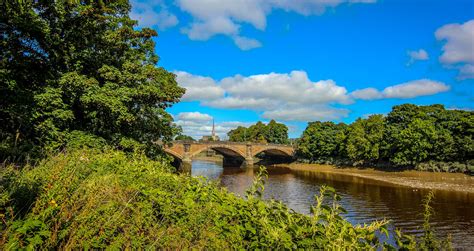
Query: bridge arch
x,y
274,151
174,154
225,150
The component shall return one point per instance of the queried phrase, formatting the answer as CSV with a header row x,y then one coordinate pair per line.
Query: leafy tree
x,y
322,140
238,134
79,66
258,132
364,138
273,132
419,133
276,133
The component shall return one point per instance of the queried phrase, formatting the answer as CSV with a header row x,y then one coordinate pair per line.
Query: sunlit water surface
x,y
365,200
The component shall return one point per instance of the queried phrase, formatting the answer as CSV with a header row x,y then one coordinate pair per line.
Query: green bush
x,y
438,166
109,199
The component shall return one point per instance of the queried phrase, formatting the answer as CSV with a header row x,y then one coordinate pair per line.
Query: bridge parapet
x,y
229,143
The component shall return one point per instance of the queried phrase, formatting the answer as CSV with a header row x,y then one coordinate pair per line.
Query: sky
x,y
298,61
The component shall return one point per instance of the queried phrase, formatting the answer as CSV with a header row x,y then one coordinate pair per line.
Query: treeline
x,y
422,137
273,132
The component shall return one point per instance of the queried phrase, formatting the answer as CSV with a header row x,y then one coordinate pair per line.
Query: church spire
x,y
213,129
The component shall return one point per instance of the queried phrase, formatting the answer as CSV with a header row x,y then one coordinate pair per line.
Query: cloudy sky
x,y
297,61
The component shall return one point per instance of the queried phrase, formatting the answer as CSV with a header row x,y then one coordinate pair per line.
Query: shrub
x,y
438,166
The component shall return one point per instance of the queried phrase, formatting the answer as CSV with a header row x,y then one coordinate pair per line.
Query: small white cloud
x,y
418,55
206,29
153,14
367,94
246,44
416,88
194,116
411,89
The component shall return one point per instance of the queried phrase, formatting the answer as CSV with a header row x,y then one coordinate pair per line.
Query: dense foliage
x,y
425,137
273,132
89,198
79,66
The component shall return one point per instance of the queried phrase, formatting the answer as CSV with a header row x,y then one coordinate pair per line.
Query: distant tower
x,y
213,130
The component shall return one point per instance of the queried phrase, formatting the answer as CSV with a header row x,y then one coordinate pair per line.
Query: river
x,y
365,200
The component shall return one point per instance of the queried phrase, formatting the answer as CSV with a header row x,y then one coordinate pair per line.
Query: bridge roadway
x,y
186,150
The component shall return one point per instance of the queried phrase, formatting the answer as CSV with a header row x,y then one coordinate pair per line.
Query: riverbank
x,y
415,179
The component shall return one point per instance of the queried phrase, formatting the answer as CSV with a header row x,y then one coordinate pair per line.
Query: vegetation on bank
x,y
272,132
89,198
410,136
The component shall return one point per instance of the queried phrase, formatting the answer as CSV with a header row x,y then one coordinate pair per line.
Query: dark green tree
x,y
364,138
273,132
258,132
322,140
79,66
276,133
238,134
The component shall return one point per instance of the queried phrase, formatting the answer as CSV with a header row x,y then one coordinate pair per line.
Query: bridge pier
x,y
186,166
248,162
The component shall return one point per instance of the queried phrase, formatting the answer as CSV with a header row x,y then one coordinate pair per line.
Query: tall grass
x,y
107,199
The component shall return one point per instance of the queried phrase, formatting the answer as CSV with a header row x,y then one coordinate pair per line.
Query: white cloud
x,y
153,14
458,51
245,43
411,89
306,113
204,30
198,87
194,116
367,94
418,55
416,88
459,45
213,17
262,92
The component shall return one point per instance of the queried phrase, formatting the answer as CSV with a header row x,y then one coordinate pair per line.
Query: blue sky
x,y
299,61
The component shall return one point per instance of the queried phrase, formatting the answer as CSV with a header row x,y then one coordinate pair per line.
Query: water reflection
x,y
365,200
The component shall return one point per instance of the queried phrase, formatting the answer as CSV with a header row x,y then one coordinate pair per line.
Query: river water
x,y
365,200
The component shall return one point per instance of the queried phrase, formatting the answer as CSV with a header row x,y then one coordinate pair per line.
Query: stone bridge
x,y
186,150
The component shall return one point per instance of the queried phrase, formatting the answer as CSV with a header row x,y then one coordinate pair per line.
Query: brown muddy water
x,y
364,199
